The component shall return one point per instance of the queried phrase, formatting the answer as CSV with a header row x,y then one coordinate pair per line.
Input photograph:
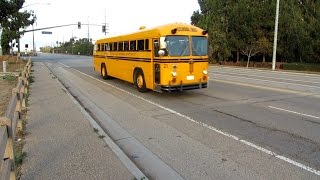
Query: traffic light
x,y
103,28
79,25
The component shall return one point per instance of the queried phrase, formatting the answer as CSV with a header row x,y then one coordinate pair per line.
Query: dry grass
x,y
6,87
14,64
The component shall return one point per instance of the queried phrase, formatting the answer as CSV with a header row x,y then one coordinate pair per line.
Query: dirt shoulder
x,y
8,82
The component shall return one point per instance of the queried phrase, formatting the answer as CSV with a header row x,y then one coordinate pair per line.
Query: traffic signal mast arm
x,y
39,29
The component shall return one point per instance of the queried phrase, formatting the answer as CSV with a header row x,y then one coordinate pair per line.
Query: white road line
x,y
228,73
302,114
318,87
274,72
288,160
64,65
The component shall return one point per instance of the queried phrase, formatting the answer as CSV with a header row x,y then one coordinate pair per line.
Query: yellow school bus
x,y
171,57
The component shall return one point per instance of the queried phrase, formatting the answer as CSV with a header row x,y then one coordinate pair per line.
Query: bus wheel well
x,y
139,80
103,71
136,70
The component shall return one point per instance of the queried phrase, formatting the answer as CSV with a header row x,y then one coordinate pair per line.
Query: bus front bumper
x,y
184,87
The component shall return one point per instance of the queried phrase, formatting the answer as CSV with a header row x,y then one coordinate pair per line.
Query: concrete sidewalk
x,y
60,142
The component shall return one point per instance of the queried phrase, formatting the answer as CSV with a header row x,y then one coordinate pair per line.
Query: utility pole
x,y
105,22
275,36
88,37
0,40
33,49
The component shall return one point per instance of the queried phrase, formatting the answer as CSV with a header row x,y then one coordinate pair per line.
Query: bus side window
x,y
107,47
115,46
120,48
146,44
102,47
98,49
126,45
140,45
133,45
110,46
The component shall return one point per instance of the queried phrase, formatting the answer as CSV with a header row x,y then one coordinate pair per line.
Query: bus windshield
x,y
178,45
199,46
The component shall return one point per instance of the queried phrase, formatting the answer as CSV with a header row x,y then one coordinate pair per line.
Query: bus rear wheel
x,y
104,73
139,81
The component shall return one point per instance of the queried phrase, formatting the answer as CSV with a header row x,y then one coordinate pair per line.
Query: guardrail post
x,y
15,92
22,93
4,66
9,152
25,81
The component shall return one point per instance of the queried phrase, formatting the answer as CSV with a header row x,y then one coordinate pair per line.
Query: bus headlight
x,y
205,72
174,74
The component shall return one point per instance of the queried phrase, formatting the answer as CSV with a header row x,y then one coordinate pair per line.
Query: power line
x,y
301,3
301,18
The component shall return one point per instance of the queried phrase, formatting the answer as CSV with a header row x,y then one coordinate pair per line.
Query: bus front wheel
x,y
139,81
104,73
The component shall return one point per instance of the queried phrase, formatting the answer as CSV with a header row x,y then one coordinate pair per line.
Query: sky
x,y
121,16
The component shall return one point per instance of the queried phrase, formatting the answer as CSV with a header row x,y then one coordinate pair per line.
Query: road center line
x,y
288,160
302,114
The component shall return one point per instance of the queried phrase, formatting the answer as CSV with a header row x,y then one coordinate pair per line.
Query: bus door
x,y
156,64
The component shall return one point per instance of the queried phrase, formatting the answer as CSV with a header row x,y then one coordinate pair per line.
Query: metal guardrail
x,y
11,123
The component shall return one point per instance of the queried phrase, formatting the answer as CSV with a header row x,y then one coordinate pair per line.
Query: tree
x,y
9,7
73,46
12,21
247,27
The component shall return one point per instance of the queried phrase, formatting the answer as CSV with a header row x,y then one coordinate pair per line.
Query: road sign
x,y
46,32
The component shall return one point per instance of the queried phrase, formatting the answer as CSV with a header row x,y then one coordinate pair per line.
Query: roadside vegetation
x,y
73,46
12,21
241,32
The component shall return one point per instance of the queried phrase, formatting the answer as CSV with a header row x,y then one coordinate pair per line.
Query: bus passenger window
x,y
140,45
102,47
98,48
133,45
120,48
115,46
107,47
146,44
126,45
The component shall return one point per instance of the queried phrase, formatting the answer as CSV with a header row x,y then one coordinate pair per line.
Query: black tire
x,y
139,81
103,72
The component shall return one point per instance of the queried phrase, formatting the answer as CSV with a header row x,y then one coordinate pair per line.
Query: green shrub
x,y
19,157
301,67
9,77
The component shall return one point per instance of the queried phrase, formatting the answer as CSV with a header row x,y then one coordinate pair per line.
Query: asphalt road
x,y
274,113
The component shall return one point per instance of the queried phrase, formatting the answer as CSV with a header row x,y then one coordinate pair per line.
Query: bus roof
x,y
163,30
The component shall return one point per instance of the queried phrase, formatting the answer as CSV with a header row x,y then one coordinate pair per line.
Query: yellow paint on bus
x,y
170,57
